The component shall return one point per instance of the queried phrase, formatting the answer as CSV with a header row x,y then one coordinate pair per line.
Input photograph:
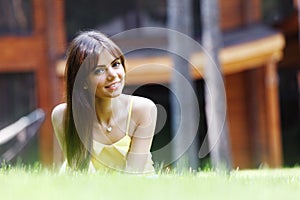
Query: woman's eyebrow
x,y
115,60
100,66
105,65
97,66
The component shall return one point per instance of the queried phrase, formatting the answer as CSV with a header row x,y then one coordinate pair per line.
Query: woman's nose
x,y
111,73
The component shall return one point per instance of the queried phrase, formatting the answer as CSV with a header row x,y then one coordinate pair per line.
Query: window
x,y
16,17
114,16
18,96
274,11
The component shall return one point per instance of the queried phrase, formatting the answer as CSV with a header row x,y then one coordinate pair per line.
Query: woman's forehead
x,y
105,58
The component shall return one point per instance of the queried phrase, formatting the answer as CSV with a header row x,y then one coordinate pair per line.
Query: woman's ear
x,y
85,86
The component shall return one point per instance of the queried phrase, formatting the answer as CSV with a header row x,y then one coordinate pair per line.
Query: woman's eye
x,y
99,71
116,64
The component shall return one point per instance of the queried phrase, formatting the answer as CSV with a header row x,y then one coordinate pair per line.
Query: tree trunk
x,y
183,104
215,99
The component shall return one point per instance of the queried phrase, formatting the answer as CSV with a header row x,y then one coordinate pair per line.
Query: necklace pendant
x,y
109,129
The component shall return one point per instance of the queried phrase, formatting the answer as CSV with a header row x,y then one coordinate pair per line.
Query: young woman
x,y
99,128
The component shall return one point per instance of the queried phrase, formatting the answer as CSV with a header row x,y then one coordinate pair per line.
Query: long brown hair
x,y
83,55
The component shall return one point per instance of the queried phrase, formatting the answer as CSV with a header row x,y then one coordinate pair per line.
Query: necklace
x,y
108,129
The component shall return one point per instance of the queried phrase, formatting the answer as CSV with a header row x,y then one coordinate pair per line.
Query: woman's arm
x,y
144,114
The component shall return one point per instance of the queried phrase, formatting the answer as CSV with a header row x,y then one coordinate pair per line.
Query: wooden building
x,y
28,57
251,86
249,64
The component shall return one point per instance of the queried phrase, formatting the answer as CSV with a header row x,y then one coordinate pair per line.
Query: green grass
x,y
40,183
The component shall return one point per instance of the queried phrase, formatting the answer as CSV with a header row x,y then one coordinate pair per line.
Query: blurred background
x,y
258,36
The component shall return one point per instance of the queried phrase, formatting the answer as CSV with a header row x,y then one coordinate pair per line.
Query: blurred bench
x,y
16,136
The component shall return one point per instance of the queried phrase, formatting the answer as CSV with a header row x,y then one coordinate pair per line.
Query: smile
x,y
113,86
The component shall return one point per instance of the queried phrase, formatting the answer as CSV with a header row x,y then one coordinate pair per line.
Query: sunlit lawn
x,y
38,183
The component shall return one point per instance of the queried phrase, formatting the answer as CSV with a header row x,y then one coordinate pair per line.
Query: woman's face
x,y
108,77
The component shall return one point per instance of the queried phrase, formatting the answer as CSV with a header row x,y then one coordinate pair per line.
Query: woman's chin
x,y
115,94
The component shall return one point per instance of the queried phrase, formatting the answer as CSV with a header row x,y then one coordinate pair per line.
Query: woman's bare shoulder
x,y
142,103
143,108
58,112
57,117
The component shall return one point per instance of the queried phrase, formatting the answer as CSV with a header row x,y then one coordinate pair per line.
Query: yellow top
x,y
113,156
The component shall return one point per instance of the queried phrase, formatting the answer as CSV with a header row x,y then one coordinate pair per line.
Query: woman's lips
x,y
113,86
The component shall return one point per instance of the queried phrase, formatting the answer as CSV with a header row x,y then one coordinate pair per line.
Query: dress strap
x,y
129,115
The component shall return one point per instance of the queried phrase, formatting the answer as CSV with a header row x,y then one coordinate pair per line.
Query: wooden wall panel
x,y
238,13
238,120
38,53
60,30
253,117
256,10
230,14
20,54
54,38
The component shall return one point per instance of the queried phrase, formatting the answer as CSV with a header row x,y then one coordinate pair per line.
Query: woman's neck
x,y
105,109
